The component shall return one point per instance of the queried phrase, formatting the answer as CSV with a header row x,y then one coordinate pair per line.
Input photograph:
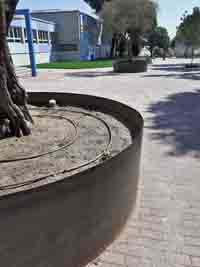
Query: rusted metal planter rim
x,y
110,106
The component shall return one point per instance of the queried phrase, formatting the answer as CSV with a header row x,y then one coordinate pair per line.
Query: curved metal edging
x,y
70,142
134,65
69,222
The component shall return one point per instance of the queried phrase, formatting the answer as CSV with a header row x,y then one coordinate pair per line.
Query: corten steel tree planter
x,y
192,66
134,65
71,221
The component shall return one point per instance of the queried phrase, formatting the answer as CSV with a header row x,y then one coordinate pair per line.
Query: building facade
x,y
54,35
42,33
184,50
78,35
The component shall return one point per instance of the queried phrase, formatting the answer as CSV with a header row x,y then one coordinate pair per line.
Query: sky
x,y
169,12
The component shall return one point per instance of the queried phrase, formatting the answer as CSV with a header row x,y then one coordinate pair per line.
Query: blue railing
x,y
28,19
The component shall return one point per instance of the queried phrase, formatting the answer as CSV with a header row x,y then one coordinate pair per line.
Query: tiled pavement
x,y
165,229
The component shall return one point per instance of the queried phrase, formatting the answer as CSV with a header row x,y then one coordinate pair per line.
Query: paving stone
x,y
165,230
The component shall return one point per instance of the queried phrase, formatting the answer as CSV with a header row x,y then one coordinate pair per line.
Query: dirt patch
x,y
63,140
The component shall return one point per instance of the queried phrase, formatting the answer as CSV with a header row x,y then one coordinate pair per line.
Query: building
x,y
78,35
182,50
185,50
54,35
42,35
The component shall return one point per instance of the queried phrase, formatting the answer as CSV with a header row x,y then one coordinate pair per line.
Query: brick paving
x,y
164,231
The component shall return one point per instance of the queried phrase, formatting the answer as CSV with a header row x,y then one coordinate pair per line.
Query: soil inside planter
x,y
63,140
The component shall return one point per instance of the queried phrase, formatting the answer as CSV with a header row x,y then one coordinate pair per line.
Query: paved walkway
x,y
165,230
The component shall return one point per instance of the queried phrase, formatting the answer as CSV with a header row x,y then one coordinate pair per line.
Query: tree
x,y
131,18
173,43
189,29
97,5
14,114
159,37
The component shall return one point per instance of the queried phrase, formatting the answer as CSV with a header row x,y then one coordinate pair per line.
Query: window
x,y
52,37
10,35
35,40
15,35
35,36
68,47
43,36
25,35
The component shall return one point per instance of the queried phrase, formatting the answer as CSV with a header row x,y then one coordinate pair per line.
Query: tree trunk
x,y
130,50
192,59
136,43
135,48
14,114
151,51
122,45
113,46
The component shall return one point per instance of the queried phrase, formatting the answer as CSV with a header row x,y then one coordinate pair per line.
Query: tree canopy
x,y
189,29
159,37
96,4
130,15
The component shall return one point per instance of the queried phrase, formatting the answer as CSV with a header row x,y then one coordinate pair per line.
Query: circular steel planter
x,y
71,221
192,66
134,65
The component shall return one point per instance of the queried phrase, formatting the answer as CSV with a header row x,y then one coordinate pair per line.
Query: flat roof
x,y
21,17
51,11
54,11
42,20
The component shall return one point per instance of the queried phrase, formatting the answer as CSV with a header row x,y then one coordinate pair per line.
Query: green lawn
x,y
75,64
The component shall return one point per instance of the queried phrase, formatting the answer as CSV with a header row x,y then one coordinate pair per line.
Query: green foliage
x,y
159,37
130,15
131,19
157,52
173,43
189,29
96,4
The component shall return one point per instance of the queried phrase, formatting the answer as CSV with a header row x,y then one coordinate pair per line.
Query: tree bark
x,y
136,43
113,46
14,114
151,51
122,45
130,50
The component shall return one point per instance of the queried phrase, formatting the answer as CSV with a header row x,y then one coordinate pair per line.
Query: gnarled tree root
x,y
14,114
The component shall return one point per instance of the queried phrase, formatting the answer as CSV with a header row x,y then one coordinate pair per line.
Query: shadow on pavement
x,y
179,71
176,120
175,68
91,74
186,76
169,67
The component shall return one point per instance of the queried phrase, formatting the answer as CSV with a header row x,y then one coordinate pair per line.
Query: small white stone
x,y
52,102
29,124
